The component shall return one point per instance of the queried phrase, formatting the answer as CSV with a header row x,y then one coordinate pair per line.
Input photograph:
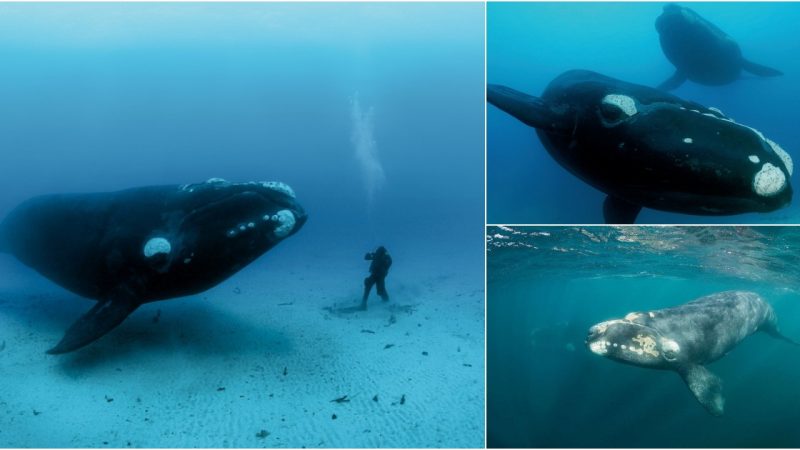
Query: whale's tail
x,y
530,110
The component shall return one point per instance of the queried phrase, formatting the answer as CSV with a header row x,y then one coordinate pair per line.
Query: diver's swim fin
x,y
101,319
619,211
758,69
706,387
530,110
672,82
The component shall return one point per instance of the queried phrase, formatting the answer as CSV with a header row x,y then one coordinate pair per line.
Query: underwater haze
x,y
546,286
530,44
372,112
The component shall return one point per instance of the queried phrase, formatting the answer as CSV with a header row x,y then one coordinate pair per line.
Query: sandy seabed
x,y
258,361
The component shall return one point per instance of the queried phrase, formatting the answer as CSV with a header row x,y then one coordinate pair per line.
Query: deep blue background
x,y
101,97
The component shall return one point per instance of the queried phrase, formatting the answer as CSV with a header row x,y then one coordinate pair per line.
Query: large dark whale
x,y
645,147
687,337
146,244
700,51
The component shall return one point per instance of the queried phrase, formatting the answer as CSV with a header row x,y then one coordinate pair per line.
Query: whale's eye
x,y
670,349
615,108
611,113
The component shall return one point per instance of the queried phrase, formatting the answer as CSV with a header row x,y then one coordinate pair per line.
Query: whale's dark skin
x,y
700,51
110,247
647,148
687,337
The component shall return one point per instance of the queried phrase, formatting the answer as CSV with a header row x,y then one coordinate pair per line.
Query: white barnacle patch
x,y
622,346
599,347
632,316
648,344
231,233
769,181
187,260
687,140
280,187
758,133
266,218
286,222
242,227
651,314
251,225
716,110
787,160
623,102
155,246
216,181
754,159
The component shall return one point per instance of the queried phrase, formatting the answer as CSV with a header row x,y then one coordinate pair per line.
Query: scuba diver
x,y
378,269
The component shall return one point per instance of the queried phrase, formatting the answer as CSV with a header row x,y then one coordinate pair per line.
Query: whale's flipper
x,y
706,387
758,69
530,110
673,82
619,211
97,322
772,330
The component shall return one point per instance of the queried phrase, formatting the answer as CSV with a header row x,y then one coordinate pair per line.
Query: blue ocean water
x,y
372,112
529,44
547,285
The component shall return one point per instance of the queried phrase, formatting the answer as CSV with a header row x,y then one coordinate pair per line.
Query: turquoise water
x,y
546,287
529,44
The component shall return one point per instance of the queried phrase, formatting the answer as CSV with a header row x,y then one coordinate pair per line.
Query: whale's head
x,y
675,17
217,227
631,341
654,149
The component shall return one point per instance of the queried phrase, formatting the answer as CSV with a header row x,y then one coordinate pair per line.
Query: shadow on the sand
x,y
337,309
189,327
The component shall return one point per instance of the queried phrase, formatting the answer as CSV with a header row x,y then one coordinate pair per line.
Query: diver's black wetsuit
x,y
378,269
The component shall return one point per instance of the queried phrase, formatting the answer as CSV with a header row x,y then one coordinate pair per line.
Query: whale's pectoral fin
x,y
619,211
773,331
530,110
97,322
758,69
706,387
672,82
